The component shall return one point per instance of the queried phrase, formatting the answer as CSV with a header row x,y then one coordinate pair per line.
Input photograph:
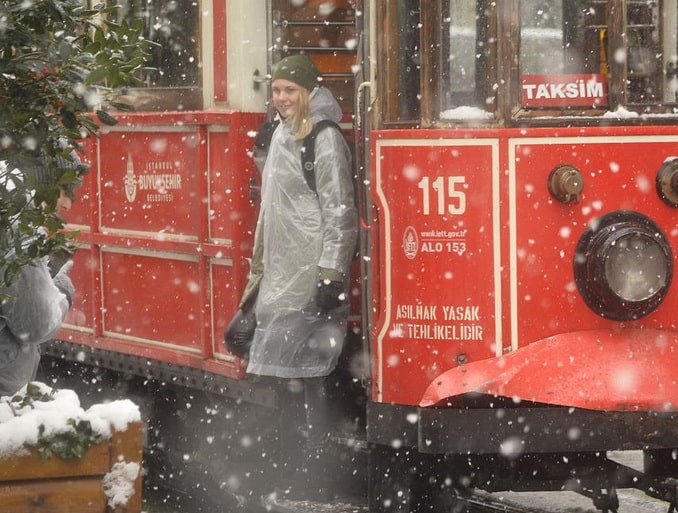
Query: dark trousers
x,y
316,411
318,423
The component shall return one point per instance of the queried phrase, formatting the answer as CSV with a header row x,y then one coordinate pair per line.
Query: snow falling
x,y
477,288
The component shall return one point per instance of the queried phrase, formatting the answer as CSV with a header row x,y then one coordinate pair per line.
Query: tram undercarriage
x,y
227,448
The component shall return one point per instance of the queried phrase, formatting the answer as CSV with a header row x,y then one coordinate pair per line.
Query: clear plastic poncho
x,y
33,314
301,232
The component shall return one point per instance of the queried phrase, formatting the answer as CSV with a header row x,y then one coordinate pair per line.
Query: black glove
x,y
240,331
331,294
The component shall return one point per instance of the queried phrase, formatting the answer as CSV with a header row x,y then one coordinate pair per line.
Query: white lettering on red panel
x,y
450,322
433,241
581,90
441,196
158,185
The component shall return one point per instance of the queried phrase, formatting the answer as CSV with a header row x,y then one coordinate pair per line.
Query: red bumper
x,y
625,370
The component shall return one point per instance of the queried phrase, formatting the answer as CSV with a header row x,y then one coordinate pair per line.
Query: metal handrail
x,y
306,23
316,48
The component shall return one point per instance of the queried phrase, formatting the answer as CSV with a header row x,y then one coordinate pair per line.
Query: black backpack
x,y
263,141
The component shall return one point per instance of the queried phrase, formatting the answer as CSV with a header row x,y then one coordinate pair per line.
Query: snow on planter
x,y
58,455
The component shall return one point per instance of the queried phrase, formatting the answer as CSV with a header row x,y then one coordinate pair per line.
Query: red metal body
x,y
611,370
475,264
474,256
165,222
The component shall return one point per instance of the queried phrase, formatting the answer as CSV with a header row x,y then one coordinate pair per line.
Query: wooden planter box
x,y
29,485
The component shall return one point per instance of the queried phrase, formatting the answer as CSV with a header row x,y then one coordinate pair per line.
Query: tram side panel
x,y
438,287
148,191
478,397
80,317
165,222
618,173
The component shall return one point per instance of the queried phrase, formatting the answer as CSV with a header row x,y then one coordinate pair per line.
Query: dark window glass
x,y
464,56
175,62
575,37
402,61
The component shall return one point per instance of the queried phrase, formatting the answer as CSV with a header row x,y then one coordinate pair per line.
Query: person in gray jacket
x,y
304,244
32,310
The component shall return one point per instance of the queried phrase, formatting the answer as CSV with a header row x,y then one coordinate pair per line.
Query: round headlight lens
x,y
636,267
623,266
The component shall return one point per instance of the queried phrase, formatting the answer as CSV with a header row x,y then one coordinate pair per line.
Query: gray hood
x,y
324,106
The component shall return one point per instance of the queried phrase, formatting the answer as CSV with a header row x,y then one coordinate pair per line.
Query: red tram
x,y
514,310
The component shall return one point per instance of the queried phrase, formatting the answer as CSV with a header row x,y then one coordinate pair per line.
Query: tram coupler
x,y
671,494
606,499
666,490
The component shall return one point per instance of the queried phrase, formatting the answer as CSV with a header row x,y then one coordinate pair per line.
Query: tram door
x,y
326,32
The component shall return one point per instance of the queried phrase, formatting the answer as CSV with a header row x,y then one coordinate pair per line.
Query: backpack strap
x,y
308,151
264,135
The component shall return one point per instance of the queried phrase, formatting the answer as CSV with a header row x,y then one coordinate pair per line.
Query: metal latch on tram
x,y
258,79
566,183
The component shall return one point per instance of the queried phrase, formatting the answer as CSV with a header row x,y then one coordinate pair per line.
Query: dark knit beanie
x,y
298,69
40,170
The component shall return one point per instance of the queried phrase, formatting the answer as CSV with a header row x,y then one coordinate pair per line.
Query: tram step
x,y
339,506
355,443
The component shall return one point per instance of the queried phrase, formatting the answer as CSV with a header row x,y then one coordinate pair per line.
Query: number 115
x,y
450,199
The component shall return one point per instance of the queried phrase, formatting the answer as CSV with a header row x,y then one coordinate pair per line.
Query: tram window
x,y
563,58
670,50
652,52
173,82
563,36
573,51
402,63
464,73
542,41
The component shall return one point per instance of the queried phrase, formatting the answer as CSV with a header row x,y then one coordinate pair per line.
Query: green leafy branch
x,y
70,444
33,394
60,62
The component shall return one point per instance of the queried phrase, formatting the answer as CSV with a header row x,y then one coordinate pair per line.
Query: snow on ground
x,y
630,501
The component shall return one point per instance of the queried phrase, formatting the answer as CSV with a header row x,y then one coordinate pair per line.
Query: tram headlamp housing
x,y
667,182
623,266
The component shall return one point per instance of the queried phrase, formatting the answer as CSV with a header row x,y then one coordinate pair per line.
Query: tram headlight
x,y
623,266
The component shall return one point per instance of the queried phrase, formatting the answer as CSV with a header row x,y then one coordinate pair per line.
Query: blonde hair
x,y
300,122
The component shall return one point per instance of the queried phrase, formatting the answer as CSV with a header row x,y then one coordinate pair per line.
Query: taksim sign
x,y
581,90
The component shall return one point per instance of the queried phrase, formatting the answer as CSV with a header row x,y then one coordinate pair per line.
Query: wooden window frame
x,y
618,74
430,43
504,80
431,85
168,98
